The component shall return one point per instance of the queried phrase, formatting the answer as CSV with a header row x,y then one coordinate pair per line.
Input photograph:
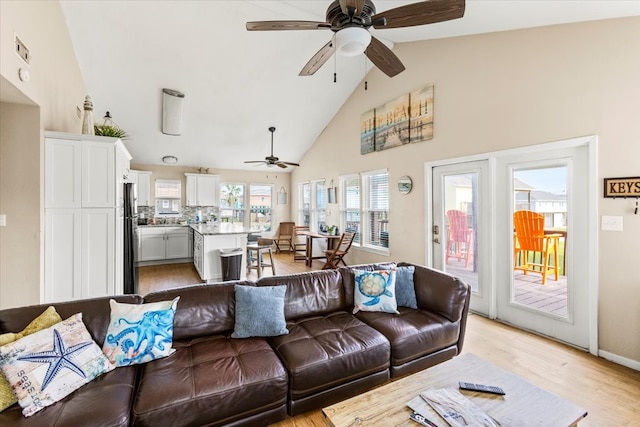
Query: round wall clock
x,y
405,185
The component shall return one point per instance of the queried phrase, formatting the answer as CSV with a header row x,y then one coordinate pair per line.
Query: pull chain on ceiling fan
x,y
271,160
350,20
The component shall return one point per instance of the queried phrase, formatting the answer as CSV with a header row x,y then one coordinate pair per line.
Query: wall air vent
x,y
22,51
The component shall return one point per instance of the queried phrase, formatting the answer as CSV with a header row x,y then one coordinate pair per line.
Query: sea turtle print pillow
x,y
375,291
140,333
48,365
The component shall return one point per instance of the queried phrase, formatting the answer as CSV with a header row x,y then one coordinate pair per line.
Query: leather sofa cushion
x,y
202,310
210,381
321,352
96,314
309,294
413,333
105,401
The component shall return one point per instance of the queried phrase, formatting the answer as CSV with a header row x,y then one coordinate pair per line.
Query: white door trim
x,y
591,142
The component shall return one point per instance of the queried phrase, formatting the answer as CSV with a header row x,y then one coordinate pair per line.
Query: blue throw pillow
x,y
405,288
375,291
260,311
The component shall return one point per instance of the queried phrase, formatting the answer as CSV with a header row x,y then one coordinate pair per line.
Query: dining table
x,y
311,235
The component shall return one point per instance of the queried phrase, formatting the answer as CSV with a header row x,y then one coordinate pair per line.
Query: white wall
x,y
47,101
504,90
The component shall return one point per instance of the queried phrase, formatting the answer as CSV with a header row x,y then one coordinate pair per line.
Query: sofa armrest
x,y
441,292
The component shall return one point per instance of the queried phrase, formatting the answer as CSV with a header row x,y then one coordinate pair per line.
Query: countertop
x,y
162,225
223,228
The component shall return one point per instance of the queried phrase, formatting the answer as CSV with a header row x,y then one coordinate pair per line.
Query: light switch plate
x,y
611,223
3,220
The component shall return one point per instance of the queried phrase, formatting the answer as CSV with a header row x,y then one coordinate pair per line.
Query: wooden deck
x,y
528,289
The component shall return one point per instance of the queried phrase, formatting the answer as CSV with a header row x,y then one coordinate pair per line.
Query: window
x,y
350,205
168,193
260,206
232,203
319,212
375,209
304,204
312,204
364,208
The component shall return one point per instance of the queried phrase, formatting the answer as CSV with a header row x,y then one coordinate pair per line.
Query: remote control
x,y
421,420
481,388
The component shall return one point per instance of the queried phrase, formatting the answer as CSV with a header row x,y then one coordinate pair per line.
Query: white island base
x,y
208,240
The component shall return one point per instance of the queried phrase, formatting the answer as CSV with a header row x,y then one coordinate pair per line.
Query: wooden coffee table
x,y
523,405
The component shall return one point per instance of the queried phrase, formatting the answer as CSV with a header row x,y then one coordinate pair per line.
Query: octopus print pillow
x,y
48,365
140,333
375,291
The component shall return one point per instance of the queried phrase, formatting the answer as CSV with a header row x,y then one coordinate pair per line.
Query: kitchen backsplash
x,y
189,213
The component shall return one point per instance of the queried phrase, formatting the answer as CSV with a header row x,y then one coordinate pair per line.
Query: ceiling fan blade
x,y
384,58
290,163
319,59
355,5
286,25
255,161
281,165
424,12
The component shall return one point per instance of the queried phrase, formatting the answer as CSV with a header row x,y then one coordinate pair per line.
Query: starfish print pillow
x,y
46,366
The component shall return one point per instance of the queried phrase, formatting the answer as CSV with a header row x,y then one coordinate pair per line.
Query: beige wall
x,y
280,212
504,90
54,91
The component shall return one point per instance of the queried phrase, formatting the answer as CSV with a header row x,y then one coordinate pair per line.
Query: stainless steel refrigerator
x,y
130,281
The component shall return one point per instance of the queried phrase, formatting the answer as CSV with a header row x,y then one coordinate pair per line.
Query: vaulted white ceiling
x,y
238,83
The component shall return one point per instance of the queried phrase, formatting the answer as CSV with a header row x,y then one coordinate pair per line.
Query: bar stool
x,y
255,253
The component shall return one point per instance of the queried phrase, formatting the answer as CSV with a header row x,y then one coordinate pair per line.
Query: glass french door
x,y
460,226
543,220
520,227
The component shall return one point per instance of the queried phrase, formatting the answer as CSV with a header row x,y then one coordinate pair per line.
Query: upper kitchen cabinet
x,y
142,179
202,189
83,171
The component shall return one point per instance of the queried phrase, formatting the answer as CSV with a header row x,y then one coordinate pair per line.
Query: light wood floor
x,y
608,391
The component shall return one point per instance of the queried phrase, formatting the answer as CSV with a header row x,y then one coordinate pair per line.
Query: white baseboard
x,y
629,363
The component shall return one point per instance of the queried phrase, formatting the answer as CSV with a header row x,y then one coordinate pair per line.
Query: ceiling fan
x,y
350,20
271,160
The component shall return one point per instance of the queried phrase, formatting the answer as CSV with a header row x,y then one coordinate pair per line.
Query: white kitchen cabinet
x,y
163,243
83,240
177,243
142,181
144,188
63,169
202,189
152,244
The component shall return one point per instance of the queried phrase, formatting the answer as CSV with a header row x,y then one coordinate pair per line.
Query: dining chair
x,y
530,240
336,255
285,234
459,237
300,242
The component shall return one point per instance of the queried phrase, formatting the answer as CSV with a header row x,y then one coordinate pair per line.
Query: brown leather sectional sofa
x,y
215,380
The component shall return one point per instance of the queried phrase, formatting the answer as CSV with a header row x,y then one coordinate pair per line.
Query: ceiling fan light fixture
x,y
352,41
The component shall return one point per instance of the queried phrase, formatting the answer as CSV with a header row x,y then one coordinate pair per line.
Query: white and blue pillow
x,y
375,291
140,333
48,365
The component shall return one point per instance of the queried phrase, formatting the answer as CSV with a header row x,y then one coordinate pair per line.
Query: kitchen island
x,y
208,239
